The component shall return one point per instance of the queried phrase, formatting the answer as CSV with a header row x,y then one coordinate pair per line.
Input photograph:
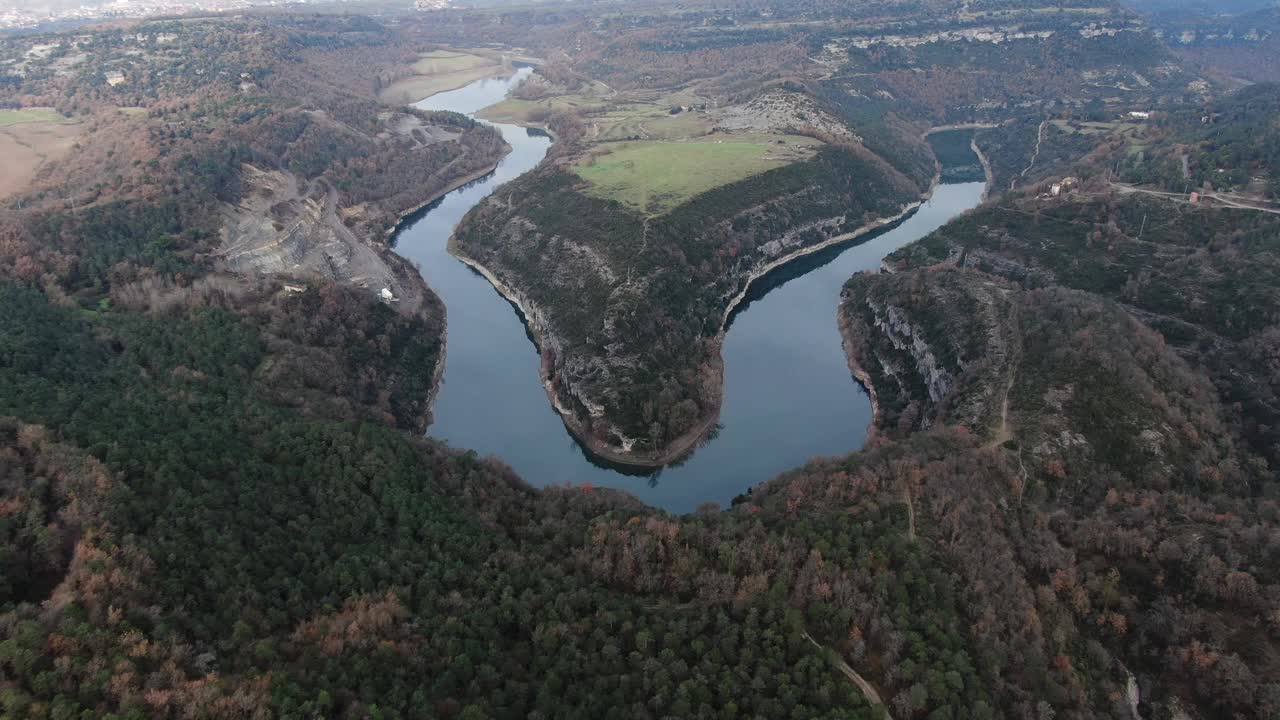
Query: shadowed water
x,y
788,393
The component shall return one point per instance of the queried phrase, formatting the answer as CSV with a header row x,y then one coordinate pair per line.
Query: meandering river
x,y
788,393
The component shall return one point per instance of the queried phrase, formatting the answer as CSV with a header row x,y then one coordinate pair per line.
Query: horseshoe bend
x,y
639,359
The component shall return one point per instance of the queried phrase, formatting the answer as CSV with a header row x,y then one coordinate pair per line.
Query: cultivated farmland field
x,y
658,176
516,110
439,62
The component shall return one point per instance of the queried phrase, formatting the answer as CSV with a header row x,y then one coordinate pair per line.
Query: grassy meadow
x,y
30,115
658,176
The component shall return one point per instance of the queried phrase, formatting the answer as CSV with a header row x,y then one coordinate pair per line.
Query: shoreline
x,y
675,450
986,168
455,83
409,274
856,369
859,373
671,452
682,445
394,229
759,273
505,63
685,443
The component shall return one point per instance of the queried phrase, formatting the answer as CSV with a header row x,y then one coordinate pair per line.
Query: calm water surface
x,y
788,392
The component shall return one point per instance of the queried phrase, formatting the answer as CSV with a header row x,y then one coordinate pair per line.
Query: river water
x,y
788,393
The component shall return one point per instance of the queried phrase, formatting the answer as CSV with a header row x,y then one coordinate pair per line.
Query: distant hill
x,y
1245,45
1200,7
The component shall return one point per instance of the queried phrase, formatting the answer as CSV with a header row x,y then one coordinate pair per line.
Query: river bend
x,y
788,393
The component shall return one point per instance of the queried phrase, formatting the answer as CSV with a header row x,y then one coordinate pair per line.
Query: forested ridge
x,y
143,217
1115,353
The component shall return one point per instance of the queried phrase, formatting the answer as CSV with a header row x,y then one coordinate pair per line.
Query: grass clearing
x,y
609,119
1097,128
658,176
536,111
28,145
440,62
31,115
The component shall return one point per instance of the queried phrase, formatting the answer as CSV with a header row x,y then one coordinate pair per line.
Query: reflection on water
x,y
788,392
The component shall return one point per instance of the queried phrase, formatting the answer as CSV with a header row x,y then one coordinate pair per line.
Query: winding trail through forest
x,y
1003,433
868,690
1034,156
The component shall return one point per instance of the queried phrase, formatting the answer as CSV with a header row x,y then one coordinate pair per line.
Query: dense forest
x,y
258,562
370,553
1116,351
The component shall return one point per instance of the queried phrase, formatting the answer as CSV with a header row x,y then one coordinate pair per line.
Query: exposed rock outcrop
x,y
779,110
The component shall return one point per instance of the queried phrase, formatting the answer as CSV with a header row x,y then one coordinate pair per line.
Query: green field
x,y
536,111
609,119
30,115
1098,128
649,122
658,176
438,62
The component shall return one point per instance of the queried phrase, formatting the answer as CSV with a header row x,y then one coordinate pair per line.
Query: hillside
x,y
938,567
932,565
1116,382
230,162
1111,346
1241,40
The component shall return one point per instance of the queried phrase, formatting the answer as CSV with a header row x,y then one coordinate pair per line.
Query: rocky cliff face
x,y
935,347
893,323
282,227
1074,380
